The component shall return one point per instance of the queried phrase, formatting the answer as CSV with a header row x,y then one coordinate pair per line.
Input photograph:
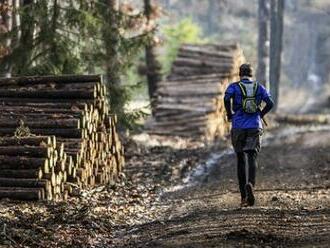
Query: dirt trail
x,y
292,208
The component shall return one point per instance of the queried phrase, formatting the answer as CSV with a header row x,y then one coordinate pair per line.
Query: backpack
x,y
249,102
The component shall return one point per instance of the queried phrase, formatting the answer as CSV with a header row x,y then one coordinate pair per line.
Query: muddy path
x,y
292,191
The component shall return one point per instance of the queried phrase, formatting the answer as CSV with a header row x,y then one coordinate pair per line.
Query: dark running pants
x,y
243,179
247,144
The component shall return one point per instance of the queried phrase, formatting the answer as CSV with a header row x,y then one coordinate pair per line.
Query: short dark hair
x,y
245,70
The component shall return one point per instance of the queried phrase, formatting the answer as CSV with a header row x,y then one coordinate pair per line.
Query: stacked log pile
x,y
207,59
190,101
305,119
56,132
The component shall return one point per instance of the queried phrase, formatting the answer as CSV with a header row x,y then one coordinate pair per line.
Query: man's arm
x,y
228,108
228,95
269,105
266,97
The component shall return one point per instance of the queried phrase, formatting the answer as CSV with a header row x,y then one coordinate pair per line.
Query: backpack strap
x,y
255,88
242,87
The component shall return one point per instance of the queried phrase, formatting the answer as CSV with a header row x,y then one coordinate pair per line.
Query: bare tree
x,y
276,35
153,66
263,43
211,16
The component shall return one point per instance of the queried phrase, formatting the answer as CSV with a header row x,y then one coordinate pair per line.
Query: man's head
x,y
245,70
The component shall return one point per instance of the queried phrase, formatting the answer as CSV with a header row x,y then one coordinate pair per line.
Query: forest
x,y
164,123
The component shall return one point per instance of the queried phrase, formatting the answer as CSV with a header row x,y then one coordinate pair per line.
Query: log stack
x,y
190,102
56,132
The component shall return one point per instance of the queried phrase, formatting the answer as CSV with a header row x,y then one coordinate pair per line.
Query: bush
x,y
186,31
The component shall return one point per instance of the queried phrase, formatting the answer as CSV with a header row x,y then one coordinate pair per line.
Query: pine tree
x,y
76,36
46,46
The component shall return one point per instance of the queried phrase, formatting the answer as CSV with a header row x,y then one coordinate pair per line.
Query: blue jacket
x,y
240,119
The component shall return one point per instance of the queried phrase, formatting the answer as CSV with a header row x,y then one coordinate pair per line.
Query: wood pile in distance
x,y
56,132
190,102
304,119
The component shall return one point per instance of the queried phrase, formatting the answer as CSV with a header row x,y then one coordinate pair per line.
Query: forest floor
x,y
179,193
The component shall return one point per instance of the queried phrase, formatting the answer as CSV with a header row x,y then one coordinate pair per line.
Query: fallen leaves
x,y
95,216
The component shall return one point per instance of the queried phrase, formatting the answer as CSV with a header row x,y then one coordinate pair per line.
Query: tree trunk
x,y
55,123
26,194
153,66
29,151
64,94
276,34
64,79
263,43
27,173
111,39
58,132
8,21
27,141
16,21
26,37
24,183
25,163
212,16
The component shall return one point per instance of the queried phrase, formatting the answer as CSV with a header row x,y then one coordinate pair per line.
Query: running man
x,y
246,116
